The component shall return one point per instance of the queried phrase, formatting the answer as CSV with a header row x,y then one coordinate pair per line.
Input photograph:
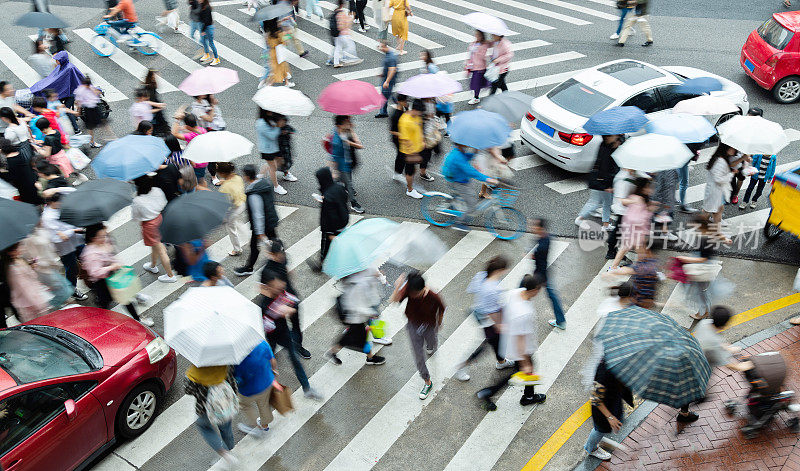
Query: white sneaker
x,y
168,279
383,341
753,205
614,36
313,394
462,374
81,178
289,177
581,223
280,190
474,101
149,267
146,321
742,205
399,177
361,30
505,364
601,454
414,193
215,181
290,84
142,298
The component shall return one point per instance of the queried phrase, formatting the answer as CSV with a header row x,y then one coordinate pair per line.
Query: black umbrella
x,y
40,19
95,201
271,12
19,219
192,216
512,105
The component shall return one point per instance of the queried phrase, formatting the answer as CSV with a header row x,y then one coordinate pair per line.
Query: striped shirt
x,y
488,298
645,282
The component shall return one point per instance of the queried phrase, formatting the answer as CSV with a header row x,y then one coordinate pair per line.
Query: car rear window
x,y
631,73
578,98
28,357
774,34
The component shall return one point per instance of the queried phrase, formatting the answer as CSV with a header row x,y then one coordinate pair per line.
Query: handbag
x,y
77,158
222,405
281,400
281,53
702,272
492,73
123,285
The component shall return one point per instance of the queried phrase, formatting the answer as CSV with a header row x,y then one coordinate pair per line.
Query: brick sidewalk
x,y
715,442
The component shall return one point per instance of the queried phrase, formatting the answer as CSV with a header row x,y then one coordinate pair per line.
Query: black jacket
x,y
263,188
205,17
604,169
333,215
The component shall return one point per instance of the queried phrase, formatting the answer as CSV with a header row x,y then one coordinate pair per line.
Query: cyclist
x,y
129,18
458,171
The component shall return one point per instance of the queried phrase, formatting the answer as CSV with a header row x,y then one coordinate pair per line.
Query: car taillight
x,y
576,139
529,117
772,61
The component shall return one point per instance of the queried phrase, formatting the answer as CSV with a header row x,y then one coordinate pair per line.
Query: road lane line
x,y
17,65
578,8
524,84
502,15
527,8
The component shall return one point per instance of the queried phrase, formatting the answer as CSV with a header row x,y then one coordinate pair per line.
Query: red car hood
x,y
116,336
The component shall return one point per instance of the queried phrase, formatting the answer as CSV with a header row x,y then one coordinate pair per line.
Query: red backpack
x,y
327,144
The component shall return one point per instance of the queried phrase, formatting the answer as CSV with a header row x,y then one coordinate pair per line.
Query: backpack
x,y
431,132
333,25
327,143
222,405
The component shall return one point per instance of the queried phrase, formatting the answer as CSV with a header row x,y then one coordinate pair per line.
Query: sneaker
x,y
280,190
96,145
521,379
336,66
356,208
688,418
263,428
149,267
215,181
376,360
399,177
305,53
753,205
168,279
686,209
430,351
601,454
462,374
80,178
331,357
647,44
329,63
620,44
80,295
742,205
215,61
361,30
506,364
580,222
381,115
474,101
289,177
535,399
141,298
289,84
147,321
244,428
489,405
303,352
354,62
205,57
483,393
243,271
614,36
317,197
366,27
426,389
553,323
313,394
383,341
414,194
427,177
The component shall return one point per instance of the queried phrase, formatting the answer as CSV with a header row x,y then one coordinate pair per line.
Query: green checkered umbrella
x,y
654,356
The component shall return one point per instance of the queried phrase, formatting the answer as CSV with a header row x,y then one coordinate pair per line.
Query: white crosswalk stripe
x,y
502,15
17,65
230,55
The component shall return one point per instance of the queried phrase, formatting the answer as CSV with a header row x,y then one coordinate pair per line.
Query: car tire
x,y
787,90
138,410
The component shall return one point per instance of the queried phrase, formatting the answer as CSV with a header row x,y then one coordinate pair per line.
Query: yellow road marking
x,y
584,413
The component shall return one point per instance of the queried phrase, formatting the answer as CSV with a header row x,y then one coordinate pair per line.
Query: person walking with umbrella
x,y
476,65
262,215
333,214
146,209
607,412
267,131
601,181
718,185
219,383
255,378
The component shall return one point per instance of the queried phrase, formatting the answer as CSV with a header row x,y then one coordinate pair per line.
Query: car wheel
x,y
787,90
138,410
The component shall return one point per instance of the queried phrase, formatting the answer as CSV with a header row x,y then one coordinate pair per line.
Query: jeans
x,y
598,198
282,336
219,437
387,93
312,8
207,37
70,262
422,335
683,183
556,302
758,184
346,178
623,12
593,441
195,27
345,49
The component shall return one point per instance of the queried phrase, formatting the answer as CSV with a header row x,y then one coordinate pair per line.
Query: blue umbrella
x,y
616,120
130,157
699,85
687,128
480,129
358,246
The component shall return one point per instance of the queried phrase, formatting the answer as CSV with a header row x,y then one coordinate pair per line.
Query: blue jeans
x,y
387,93
593,441
195,27
598,198
623,12
683,182
218,437
556,302
121,25
208,41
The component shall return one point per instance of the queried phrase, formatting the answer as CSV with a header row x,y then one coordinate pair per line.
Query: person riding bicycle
x,y
129,18
458,171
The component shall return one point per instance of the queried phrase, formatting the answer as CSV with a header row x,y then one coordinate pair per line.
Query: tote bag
x,y
222,405
123,285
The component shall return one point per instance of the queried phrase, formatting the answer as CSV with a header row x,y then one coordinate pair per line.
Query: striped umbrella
x,y
654,356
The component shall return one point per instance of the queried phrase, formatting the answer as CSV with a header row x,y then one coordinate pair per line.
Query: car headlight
x,y
157,349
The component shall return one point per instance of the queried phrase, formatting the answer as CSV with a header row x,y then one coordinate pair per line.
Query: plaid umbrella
x,y
654,356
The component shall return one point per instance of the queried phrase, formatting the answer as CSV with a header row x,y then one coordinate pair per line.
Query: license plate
x,y
545,128
750,66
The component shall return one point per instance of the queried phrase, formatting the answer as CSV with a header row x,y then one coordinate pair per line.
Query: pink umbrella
x,y
209,80
350,97
429,85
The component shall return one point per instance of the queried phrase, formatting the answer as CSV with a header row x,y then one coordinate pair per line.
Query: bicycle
x,y
108,37
501,219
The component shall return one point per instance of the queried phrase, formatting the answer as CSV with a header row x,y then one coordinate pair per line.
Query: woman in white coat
x,y
718,184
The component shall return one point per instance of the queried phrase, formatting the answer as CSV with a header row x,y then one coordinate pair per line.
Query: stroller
x,y
766,399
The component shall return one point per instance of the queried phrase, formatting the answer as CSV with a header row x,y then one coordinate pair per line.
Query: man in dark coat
x,y
262,214
333,215
601,181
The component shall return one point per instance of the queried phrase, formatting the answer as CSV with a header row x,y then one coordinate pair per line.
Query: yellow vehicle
x,y
785,200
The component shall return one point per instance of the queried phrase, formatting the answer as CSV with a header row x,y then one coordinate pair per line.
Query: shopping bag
x,y
492,73
281,400
378,328
172,19
123,285
77,158
281,53
707,271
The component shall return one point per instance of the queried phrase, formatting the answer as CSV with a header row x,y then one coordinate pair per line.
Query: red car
x,y
73,382
771,56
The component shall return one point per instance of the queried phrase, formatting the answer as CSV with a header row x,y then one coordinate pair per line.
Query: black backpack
x,y
334,27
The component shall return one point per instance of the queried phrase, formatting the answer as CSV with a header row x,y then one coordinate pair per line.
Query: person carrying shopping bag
x,y
256,376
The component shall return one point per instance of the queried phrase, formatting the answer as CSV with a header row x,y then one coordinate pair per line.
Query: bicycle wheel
x,y
101,45
506,223
148,43
438,209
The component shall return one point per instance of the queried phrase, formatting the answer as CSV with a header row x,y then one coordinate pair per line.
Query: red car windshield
x,y
29,355
774,34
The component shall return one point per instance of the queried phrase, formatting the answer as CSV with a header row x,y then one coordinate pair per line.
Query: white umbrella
x,y
652,153
284,100
706,105
213,326
486,23
753,135
217,146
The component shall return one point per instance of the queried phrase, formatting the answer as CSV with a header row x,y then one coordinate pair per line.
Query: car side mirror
x,y
69,405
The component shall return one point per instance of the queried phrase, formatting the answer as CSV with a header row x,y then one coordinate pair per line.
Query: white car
x,y
554,130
